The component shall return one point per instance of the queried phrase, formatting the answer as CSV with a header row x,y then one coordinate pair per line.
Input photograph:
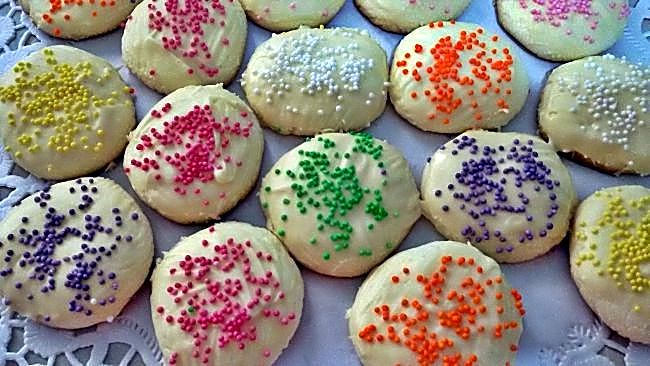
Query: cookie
x,y
313,80
449,77
440,301
169,45
412,13
340,202
195,154
559,30
599,108
77,19
64,112
227,295
610,253
284,15
74,253
506,193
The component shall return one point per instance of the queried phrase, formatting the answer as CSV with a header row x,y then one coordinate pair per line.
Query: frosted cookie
x,y
599,108
402,16
506,193
171,44
312,80
64,112
79,18
610,258
284,15
340,202
449,77
562,30
227,295
195,154
74,253
440,301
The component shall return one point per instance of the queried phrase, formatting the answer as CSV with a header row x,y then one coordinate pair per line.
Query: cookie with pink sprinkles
x,y
564,30
227,295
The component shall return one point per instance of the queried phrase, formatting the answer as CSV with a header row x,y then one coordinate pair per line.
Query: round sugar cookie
x,y
284,15
610,258
195,154
74,253
340,202
441,300
64,112
506,193
227,295
449,77
171,44
402,16
77,19
308,81
599,108
564,30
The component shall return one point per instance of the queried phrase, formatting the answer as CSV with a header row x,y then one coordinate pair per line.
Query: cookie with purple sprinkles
x,y
506,193
74,254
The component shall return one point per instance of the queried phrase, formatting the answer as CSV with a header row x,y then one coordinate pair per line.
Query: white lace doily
x,y
582,341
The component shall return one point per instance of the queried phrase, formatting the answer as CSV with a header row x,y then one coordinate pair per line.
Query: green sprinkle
x,y
371,226
284,217
326,256
365,252
389,245
312,241
281,232
286,201
267,189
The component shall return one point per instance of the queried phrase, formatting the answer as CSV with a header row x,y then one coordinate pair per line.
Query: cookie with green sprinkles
x,y
340,202
64,112
610,258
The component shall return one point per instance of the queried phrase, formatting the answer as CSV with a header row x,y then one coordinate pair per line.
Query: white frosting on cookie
x,y
195,154
312,80
440,301
340,202
507,193
64,112
77,19
75,253
227,295
562,30
449,77
170,44
412,13
599,107
284,15
610,258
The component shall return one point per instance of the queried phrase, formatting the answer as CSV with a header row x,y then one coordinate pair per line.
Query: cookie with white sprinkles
x,y
442,303
564,30
77,19
172,44
74,253
340,202
227,295
64,112
195,154
599,108
449,77
506,193
284,15
412,13
610,258
314,80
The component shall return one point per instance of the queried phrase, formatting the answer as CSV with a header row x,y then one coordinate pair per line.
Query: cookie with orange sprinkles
x,y
610,258
227,295
442,303
64,112
171,44
78,19
449,77
195,154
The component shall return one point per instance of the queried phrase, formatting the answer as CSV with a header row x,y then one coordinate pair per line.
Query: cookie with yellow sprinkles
x,y
78,19
64,112
440,304
610,258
